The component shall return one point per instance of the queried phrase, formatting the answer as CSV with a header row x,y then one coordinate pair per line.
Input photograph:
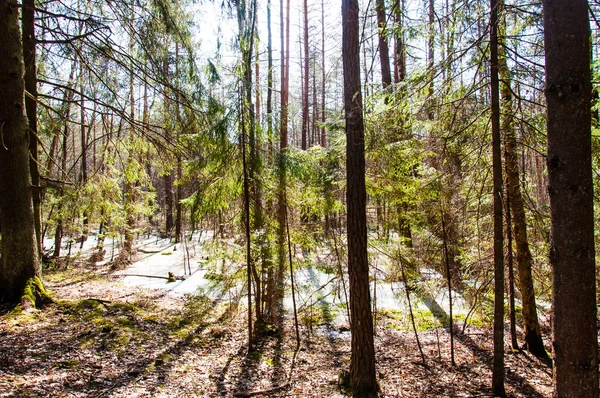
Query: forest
x,y
393,198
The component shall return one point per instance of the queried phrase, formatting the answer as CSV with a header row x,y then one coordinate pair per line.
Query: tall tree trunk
x,y
510,266
28,29
249,262
404,227
386,76
305,82
323,76
316,137
179,175
283,143
270,283
83,176
449,61
384,52
285,64
66,105
399,49
20,267
431,52
568,96
498,366
58,234
168,192
362,363
255,161
167,178
257,82
533,334
125,256
254,220
449,281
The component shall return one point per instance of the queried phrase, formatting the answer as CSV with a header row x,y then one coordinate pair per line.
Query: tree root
x,y
34,295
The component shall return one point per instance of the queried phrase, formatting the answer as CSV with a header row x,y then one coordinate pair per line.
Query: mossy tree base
x,y
123,260
34,294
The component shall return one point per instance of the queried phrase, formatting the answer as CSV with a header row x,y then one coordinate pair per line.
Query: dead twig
x,y
262,392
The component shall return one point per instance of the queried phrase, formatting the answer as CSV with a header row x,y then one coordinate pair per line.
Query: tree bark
x,y
449,281
20,269
29,51
384,52
498,366
511,275
568,96
323,77
179,175
283,144
285,67
431,52
305,84
167,178
270,282
126,253
399,47
362,363
533,334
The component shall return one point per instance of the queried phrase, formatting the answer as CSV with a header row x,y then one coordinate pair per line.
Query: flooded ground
x,y
318,289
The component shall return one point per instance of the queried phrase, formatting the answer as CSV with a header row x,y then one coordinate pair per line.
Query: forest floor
x,y
108,339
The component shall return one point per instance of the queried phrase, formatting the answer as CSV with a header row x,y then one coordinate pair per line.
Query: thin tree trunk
x,y
126,253
449,61
255,163
305,81
533,334
257,82
384,52
449,282
511,274
323,76
283,143
83,136
179,189
270,288
399,50
66,101
58,234
167,178
412,316
431,52
292,283
249,264
29,40
285,51
498,366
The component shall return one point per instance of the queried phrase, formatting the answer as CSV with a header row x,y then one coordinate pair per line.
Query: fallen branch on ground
x,y
262,392
171,276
